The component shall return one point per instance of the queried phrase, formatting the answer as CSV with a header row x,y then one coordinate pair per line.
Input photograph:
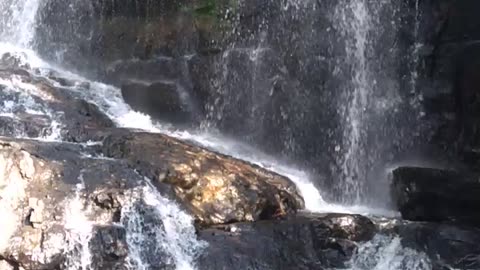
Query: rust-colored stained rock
x,y
216,188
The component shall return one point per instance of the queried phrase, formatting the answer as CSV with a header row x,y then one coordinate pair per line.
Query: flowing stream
x,y
168,230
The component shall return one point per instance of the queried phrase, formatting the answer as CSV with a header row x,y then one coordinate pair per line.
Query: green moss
x,y
215,19
206,8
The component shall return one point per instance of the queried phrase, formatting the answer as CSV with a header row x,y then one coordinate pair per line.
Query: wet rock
x,y
216,188
25,125
425,194
79,116
304,241
159,68
109,248
63,111
161,100
447,246
63,81
42,186
13,61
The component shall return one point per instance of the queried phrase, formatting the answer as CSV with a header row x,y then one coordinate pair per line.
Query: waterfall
x,y
17,22
356,23
279,100
371,106
158,228
79,231
415,58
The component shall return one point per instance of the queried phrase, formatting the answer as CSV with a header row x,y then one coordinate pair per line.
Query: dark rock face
x,y
447,246
109,248
424,194
448,72
161,100
267,72
302,242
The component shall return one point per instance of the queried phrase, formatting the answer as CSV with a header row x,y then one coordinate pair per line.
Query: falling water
x,y
355,22
157,228
415,57
79,231
17,22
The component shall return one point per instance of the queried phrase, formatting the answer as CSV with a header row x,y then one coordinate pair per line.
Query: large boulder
x,y
215,187
64,205
52,200
305,241
425,194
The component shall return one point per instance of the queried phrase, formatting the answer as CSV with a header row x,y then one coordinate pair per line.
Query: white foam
x,y
174,238
79,231
387,253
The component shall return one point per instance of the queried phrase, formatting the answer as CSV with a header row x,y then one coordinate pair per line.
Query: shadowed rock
x,y
161,100
424,194
447,246
305,241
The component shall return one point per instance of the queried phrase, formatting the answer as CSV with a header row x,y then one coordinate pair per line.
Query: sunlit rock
x,y
48,206
215,187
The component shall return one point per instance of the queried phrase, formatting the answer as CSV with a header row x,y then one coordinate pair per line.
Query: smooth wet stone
x,y
425,194
304,241
447,246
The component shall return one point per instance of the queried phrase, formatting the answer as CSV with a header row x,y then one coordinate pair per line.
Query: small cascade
x,y
79,232
159,232
386,252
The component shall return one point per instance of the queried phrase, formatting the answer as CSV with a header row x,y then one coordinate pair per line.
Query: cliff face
x,y
450,32
277,74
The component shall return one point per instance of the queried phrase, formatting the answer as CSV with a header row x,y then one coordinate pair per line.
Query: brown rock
x,y
216,188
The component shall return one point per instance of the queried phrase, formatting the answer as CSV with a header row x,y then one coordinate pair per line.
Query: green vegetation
x,y
215,19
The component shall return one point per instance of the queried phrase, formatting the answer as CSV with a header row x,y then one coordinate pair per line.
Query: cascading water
x,y
17,22
173,229
157,227
385,252
174,235
79,231
356,23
